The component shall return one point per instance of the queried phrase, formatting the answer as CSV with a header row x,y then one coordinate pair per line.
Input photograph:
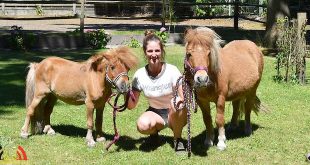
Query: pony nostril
x,y
124,87
202,79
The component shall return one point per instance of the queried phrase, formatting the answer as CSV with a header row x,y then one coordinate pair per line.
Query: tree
x,y
275,9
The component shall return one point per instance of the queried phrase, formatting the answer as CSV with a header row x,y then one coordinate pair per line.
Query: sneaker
x,y
179,147
154,139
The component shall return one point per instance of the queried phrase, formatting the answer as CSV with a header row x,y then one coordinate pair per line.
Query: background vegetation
x,y
281,136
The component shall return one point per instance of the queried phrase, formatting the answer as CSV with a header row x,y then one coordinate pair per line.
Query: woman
x,y
157,81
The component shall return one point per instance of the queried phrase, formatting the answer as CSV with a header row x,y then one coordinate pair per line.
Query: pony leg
x,y
99,119
89,136
30,112
47,114
235,117
248,109
207,119
220,121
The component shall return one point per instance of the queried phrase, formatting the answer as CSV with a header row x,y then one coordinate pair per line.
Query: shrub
x,y
39,10
133,43
163,35
97,39
20,40
291,44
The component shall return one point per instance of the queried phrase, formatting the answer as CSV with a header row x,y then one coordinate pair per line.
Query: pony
x,y
89,82
217,74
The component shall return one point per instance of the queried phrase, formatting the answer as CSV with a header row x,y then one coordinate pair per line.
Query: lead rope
x,y
189,103
118,109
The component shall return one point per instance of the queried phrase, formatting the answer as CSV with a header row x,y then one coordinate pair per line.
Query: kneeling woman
x,y
157,80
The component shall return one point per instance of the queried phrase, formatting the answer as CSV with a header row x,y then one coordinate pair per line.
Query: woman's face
x,y
153,52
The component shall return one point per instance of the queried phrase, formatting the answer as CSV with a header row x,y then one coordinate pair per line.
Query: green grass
x,y
281,136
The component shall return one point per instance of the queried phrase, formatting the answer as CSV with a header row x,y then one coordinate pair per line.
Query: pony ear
x,y
187,30
96,64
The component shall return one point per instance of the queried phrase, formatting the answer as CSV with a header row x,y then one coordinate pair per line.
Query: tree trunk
x,y
275,9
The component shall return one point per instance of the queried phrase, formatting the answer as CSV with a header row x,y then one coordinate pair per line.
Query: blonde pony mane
x,y
208,39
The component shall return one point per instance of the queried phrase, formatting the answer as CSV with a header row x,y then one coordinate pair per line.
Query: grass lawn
x,y
281,136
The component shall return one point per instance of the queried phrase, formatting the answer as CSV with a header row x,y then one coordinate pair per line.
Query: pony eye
x,y
188,54
112,67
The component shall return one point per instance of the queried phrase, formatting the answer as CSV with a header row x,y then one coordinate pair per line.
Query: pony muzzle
x,y
122,86
201,78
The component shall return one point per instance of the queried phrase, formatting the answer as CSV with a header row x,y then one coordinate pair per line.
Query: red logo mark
x,y
21,154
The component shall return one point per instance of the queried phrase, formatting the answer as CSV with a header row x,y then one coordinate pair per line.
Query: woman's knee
x,y
144,125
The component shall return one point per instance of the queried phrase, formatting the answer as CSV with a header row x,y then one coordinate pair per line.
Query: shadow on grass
x,y
5,112
70,130
143,144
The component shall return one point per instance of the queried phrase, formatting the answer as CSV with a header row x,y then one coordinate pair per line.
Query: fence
x,y
163,9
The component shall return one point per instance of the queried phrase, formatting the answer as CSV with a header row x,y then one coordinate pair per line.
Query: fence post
x,y
82,15
3,7
260,9
229,8
163,16
74,9
236,14
301,25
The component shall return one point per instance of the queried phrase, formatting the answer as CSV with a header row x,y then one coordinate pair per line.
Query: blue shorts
x,y
163,113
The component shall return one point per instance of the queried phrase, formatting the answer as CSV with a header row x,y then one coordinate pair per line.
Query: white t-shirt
x,y
158,90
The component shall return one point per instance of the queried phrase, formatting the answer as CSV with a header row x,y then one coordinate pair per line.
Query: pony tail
x,y
30,84
37,122
259,107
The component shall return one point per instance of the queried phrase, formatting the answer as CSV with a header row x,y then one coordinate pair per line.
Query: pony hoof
x,y
91,144
51,132
221,145
48,130
24,135
101,139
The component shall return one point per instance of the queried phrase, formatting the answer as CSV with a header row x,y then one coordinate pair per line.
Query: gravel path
x,y
62,25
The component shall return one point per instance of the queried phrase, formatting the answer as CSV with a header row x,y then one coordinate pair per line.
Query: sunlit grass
x,y
281,136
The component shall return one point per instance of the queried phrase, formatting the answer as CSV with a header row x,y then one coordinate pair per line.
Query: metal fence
x,y
158,9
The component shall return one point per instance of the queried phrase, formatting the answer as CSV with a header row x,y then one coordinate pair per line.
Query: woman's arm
x,y
132,103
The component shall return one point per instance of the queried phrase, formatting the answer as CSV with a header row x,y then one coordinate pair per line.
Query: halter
x,y
187,65
113,82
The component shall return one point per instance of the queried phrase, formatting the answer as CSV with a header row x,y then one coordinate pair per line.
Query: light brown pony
x,y
232,73
88,83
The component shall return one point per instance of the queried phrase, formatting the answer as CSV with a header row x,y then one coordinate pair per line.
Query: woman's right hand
x,y
133,102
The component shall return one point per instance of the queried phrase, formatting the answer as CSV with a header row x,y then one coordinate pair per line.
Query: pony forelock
x,y
208,39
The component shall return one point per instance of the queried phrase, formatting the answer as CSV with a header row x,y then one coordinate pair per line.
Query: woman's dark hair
x,y
151,36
